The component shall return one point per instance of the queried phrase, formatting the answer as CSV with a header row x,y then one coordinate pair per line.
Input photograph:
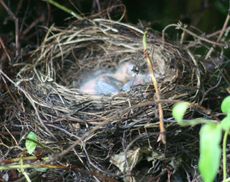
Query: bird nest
x,y
98,127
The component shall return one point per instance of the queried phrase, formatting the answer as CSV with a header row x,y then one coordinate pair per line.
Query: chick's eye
x,y
135,69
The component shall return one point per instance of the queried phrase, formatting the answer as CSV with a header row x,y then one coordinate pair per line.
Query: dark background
x,y
207,15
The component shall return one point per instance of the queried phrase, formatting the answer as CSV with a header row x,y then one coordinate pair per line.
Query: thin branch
x,y
12,15
162,136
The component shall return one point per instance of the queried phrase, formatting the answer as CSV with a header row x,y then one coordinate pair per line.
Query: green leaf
x,y
210,151
225,123
31,142
179,110
225,106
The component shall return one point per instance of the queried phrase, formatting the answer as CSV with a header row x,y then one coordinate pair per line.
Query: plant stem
x,y
65,9
225,156
162,136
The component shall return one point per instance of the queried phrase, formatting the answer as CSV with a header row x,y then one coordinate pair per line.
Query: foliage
x,y
210,138
31,142
210,151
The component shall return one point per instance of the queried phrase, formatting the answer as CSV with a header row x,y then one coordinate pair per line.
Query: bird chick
x,y
124,72
111,83
103,84
138,79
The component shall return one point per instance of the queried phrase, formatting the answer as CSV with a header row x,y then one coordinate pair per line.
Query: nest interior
x,y
67,56
106,125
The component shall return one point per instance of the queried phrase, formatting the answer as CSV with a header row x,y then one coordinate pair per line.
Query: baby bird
x,y
138,79
103,84
107,83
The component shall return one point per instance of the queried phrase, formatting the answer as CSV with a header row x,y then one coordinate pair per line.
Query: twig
x,y
2,45
79,141
29,97
33,24
12,15
162,136
65,9
224,28
180,26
